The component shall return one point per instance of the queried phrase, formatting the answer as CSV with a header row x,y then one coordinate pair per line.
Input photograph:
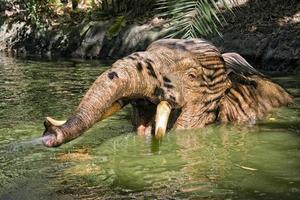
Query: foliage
x,y
130,7
35,12
116,27
188,18
36,8
192,18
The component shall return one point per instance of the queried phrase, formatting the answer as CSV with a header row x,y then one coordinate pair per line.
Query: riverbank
x,y
266,33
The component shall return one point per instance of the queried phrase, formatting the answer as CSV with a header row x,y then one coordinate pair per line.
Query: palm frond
x,y
193,18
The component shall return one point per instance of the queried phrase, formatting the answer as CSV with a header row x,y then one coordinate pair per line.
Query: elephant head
x,y
176,83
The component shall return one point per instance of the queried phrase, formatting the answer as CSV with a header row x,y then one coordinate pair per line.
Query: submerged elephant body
x,y
180,83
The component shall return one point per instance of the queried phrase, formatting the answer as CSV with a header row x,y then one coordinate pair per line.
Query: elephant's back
x,y
194,46
202,52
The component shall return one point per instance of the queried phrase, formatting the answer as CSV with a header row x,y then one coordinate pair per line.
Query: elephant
x,y
175,84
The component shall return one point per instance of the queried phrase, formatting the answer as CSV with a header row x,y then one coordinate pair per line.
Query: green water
x,y
111,162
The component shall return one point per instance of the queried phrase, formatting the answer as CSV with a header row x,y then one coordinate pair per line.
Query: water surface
x,y
111,162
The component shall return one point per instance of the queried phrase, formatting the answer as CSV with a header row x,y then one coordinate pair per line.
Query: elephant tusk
x,y
115,107
161,119
54,122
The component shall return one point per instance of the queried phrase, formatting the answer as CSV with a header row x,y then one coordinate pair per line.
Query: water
x,y
111,162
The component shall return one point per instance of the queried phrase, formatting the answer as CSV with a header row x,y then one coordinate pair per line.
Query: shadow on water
x,y
293,126
111,162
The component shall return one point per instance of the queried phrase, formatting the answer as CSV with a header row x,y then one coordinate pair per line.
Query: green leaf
x,y
116,27
193,18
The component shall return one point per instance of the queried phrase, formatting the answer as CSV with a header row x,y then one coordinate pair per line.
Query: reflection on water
x,y
111,162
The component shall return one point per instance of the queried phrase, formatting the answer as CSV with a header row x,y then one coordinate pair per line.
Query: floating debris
x,y
246,168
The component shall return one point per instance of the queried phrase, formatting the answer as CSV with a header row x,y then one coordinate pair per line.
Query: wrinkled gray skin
x,y
201,85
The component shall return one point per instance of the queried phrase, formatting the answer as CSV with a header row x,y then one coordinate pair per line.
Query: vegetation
x,y
193,18
188,18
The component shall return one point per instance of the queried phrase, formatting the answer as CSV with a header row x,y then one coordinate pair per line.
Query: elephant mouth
x,y
143,116
153,118
149,115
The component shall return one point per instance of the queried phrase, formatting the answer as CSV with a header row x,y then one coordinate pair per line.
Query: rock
x,y
84,40
92,40
133,38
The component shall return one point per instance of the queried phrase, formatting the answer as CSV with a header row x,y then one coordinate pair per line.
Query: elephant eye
x,y
192,75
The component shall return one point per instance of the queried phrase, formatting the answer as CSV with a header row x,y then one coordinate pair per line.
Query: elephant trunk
x,y
121,81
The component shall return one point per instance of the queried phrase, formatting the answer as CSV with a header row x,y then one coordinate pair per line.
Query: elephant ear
x,y
250,94
237,64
